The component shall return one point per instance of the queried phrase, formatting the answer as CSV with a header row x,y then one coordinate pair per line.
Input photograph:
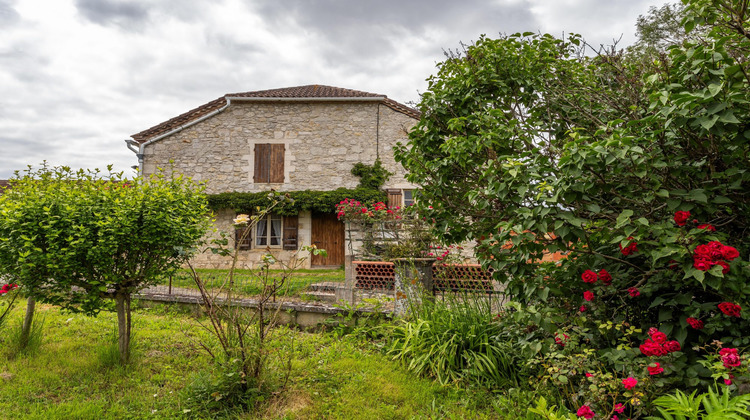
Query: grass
x,y
72,375
248,284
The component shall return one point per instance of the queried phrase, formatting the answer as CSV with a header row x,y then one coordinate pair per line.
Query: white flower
x,y
241,220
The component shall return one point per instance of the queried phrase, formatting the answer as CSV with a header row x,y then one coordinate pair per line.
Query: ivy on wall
x,y
371,176
318,201
372,179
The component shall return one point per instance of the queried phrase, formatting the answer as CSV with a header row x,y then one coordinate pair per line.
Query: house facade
x,y
290,139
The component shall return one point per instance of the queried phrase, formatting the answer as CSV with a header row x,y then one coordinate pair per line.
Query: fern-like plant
x,y
712,405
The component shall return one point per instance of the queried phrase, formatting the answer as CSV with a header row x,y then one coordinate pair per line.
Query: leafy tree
x,y
527,146
77,239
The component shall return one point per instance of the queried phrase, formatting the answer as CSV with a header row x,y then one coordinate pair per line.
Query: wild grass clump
x,y
20,344
457,340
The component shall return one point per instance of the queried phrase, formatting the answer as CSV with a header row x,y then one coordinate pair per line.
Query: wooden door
x,y
327,232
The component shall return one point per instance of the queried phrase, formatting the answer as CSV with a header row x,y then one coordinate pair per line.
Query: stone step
x,y
321,296
325,286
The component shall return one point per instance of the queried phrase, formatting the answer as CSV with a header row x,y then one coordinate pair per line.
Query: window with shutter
x,y
290,232
243,238
269,163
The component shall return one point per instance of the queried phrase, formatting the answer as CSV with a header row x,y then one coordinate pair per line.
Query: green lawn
x,y
248,284
70,377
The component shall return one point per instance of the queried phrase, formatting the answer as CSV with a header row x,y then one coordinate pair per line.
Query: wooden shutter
x,y
289,239
276,163
394,198
243,243
262,163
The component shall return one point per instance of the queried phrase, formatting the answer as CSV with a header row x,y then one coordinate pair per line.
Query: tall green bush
x,y
80,238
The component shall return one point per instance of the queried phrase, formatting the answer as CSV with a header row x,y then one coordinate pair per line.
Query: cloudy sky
x,y
77,77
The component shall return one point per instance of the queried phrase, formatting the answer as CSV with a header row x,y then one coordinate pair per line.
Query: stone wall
x,y
323,141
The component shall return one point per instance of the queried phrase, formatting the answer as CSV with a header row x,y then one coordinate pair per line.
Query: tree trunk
x,y
122,303
27,321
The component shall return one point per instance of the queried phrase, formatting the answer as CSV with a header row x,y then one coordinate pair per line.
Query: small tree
x,y
77,239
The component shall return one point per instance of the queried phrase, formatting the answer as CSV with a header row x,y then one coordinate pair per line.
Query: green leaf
x,y
623,218
698,195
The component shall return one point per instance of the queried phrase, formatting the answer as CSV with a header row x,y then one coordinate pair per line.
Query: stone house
x,y
289,139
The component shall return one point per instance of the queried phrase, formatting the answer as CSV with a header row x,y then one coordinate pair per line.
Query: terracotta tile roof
x,y
296,93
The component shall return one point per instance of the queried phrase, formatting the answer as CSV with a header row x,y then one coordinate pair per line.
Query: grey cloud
x,y
124,14
8,15
362,28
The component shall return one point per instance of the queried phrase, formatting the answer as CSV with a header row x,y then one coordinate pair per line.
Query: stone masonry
x,y
323,140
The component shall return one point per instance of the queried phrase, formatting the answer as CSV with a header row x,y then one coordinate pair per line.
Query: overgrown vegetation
x,y
318,201
633,164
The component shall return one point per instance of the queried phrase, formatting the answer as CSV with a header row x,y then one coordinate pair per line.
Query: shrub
x,y
457,341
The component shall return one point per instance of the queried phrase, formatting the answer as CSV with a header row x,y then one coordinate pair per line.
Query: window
x,y
272,231
269,163
268,231
408,197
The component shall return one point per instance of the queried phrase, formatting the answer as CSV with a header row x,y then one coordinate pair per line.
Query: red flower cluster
x,y
7,288
633,292
707,227
681,217
656,369
630,249
590,276
586,412
629,382
695,323
713,253
730,309
588,295
658,345
730,358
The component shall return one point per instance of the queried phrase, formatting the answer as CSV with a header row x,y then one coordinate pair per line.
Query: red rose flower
x,y
619,408
681,217
730,309
582,308
730,358
695,323
589,374
629,382
729,253
655,370
589,276
672,346
707,227
588,296
702,265
652,348
585,412
659,337
630,249
634,292
605,277
724,267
